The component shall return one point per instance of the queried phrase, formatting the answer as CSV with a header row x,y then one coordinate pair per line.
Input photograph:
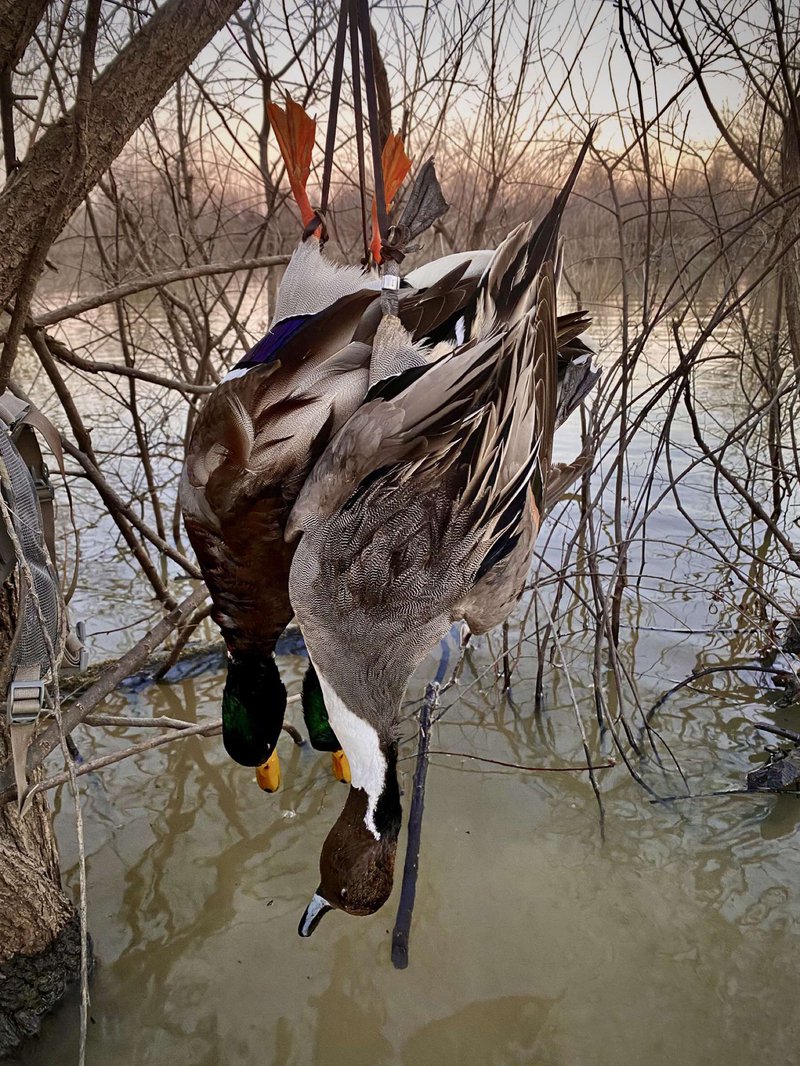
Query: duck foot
x,y
340,766
268,774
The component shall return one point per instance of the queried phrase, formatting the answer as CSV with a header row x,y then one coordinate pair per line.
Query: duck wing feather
x,y
507,286
422,510
250,451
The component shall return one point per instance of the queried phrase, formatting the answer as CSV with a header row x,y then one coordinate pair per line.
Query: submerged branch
x,y
705,672
530,769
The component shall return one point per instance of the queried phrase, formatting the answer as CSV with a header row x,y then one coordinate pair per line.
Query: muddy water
x,y
673,942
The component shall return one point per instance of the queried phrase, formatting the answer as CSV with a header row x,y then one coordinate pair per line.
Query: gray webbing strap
x,y
11,407
25,699
23,418
28,546
76,655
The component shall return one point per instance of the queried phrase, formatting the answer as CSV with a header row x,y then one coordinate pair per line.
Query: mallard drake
x,y
422,511
264,427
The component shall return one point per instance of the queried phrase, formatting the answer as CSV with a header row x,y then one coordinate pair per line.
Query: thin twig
x,y
521,766
129,288
705,672
787,734
205,729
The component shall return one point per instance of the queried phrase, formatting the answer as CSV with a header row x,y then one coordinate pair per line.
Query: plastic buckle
x,y
76,654
24,691
44,486
83,654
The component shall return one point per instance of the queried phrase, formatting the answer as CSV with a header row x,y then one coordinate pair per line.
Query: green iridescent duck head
x,y
253,706
315,713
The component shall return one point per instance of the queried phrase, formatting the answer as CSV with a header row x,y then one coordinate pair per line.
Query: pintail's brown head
x,y
356,864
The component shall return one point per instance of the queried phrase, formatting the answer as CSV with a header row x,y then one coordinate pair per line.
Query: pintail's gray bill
x,y
313,914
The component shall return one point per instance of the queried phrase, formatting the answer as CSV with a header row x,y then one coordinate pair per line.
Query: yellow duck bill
x,y
313,914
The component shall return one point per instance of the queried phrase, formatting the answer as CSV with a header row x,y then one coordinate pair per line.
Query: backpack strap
x,y
23,419
26,486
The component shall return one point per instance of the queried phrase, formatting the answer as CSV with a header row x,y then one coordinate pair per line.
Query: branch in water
x,y
405,911
104,685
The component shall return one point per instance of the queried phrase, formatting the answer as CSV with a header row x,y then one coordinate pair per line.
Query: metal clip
x,y
24,692
391,281
83,657
76,654
44,487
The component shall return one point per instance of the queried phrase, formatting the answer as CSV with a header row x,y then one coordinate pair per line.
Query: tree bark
x,y
790,268
18,21
45,190
17,25
39,929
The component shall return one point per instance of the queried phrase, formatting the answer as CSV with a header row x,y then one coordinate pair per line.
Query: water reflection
x,y
497,1031
531,941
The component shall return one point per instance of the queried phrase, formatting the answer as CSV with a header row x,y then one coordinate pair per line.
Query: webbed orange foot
x,y
268,774
340,766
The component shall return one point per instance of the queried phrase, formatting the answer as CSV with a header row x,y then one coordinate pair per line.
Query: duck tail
x,y
508,287
295,130
395,165
562,477
576,379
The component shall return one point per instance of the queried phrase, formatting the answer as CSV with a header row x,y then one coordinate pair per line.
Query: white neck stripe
x,y
363,750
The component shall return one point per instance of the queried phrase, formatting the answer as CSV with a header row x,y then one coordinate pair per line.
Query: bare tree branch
x,y
40,197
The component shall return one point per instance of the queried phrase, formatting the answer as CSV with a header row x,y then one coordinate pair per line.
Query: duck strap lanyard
x,y
355,15
425,204
360,10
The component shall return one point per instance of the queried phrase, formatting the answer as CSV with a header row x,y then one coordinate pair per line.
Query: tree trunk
x,y
790,268
46,188
18,21
39,929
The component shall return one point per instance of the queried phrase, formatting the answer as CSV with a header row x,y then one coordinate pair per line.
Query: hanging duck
x,y
264,427
423,511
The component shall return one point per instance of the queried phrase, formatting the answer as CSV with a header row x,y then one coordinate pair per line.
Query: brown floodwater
x,y
675,941
534,941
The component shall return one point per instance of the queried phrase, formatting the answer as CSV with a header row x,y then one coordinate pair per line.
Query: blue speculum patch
x,y
266,350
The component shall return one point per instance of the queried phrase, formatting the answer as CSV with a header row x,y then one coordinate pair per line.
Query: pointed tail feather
x,y
509,284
